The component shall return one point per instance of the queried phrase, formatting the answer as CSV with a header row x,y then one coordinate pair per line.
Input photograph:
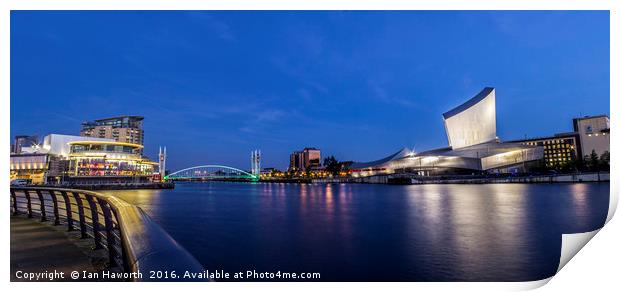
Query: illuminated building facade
x,y
57,144
107,150
296,161
473,147
305,160
115,161
593,134
45,163
126,129
559,150
30,167
472,122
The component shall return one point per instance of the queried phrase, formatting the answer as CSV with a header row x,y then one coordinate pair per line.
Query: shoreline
x,y
124,186
394,179
391,179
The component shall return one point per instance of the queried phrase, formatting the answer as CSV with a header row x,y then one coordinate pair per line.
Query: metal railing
x,y
133,241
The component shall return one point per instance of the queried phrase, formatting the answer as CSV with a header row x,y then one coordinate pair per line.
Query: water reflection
x,y
329,200
504,232
579,201
149,200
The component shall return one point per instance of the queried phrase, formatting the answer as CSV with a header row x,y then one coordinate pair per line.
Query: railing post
x,y
78,201
94,215
68,210
109,227
55,202
15,211
28,203
40,195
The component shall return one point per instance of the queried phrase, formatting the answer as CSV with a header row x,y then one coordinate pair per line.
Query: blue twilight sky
x,y
213,86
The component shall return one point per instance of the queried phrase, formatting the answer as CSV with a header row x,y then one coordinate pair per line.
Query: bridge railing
x,y
211,172
132,240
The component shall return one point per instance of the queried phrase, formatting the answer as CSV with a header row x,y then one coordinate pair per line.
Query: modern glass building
x,y
118,161
45,163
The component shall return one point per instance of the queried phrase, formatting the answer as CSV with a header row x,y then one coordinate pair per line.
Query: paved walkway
x,y
38,247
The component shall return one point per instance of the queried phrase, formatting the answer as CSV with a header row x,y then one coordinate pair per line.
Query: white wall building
x,y
593,134
474,146
472,122
58,144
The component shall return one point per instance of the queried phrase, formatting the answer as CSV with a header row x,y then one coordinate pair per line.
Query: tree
x,y
605,158
568,167
593,162
332,165
580,163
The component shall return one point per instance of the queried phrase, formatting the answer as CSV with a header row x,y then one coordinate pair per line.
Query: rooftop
x,y
105,143
474,100
398,155
591,117
138,118
555,136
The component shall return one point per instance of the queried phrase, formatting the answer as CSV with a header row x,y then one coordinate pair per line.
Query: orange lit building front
x,y
118,161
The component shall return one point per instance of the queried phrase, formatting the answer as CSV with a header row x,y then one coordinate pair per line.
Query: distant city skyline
x,y
213,86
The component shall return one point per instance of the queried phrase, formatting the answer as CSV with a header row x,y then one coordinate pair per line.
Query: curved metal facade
x,y
471,130
473,122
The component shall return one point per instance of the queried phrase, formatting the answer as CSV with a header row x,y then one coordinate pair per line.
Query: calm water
x,y
356,232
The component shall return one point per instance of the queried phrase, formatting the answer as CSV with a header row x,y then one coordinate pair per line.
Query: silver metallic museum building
x,y
473,147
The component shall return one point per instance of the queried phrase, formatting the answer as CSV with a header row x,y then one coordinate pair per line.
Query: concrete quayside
x,y
464,179
123,239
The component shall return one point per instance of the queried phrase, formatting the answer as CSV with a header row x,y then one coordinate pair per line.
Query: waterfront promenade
x,y
112,232
39,247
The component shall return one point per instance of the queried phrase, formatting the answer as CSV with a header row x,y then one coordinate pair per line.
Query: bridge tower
x,y
162,162
256,156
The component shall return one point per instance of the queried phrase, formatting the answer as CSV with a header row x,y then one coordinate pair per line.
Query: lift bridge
x,y
211,172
